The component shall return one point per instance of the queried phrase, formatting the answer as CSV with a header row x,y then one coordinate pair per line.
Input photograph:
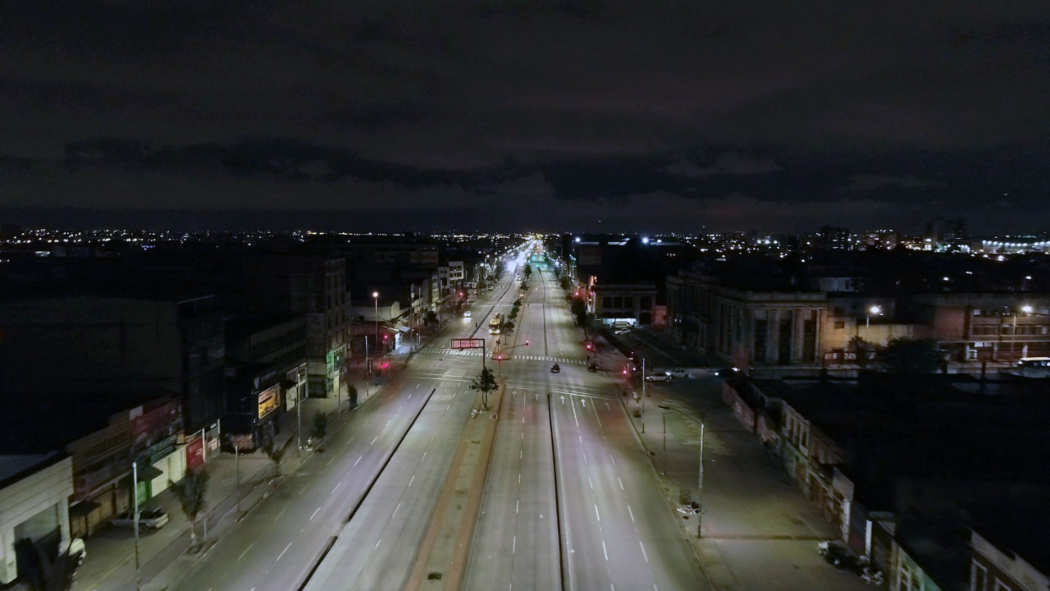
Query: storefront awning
x,y
402,329
145,473
83,508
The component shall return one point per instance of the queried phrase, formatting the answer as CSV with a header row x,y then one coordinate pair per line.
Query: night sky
x,y
488,114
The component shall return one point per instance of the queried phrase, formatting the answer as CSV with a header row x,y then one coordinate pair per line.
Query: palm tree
x,y
46,571
190,492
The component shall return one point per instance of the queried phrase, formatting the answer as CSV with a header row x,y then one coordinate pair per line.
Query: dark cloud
x,y
581,104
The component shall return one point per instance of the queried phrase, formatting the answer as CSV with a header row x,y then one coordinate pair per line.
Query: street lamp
x,y
874,310
375,296
1025,309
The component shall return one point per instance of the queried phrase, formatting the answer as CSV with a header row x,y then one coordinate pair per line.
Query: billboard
x,y
268,401
194,453
467,344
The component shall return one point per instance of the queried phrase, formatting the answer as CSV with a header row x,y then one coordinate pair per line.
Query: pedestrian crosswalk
x,y
428,350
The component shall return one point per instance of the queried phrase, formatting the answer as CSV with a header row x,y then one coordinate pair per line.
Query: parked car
x,y
621,331
837,554
148,518
679,373
555,368
658,377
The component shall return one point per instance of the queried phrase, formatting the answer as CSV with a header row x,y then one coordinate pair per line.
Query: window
x,y
840,324
978,577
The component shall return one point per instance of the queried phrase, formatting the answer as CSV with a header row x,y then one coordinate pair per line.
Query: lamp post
x,y
1026,309
135,494
375,296
700,493
872,311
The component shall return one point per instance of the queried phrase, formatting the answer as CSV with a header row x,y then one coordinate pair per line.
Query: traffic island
x,y
442,557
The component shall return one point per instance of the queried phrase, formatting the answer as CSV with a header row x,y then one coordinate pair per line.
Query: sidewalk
x,y
759,531
110,552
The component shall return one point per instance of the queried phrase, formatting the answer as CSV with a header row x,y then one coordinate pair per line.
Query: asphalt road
x,y
617,529
277,545
570,495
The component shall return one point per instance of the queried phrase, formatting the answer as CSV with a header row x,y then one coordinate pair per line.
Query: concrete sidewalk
x,y
759,531
110,552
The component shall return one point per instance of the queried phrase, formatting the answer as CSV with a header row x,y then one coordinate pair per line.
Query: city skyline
x,y
576,114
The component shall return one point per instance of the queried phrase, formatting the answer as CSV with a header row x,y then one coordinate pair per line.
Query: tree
x,y
579,310
485,383
566,283
276,454
190,492
320,425
351,394
861,350
911,356
508,327
481,284
528,271
432,318
46,570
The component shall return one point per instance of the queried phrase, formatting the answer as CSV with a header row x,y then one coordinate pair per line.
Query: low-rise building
x,y
34,504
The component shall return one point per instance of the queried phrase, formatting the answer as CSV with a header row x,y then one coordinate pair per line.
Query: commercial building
x,y
34,504
121,345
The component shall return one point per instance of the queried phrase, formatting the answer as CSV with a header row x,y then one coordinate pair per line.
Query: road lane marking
x,y
612,458
281,513
374,440
585,458
358,460
631,512
606,553
521,453
517,506
387,424
424,456
377,543
514,545
590,483
411,480
519,477
245,551
315,513
596,514
417,385
581,439
283,551
644,555
395,510
337,487
329,462
620,481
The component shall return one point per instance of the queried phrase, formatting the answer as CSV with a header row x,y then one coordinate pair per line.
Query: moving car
x,y
658,377
466,314
679,373
148,518
555,368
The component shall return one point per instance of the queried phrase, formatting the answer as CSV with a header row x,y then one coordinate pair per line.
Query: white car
x,y
679,373
658,377
148,518
466,314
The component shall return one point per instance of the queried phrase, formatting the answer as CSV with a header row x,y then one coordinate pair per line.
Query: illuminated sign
x,y
468,344
268,400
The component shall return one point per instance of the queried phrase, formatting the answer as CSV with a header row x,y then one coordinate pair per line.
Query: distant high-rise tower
x,y
832,238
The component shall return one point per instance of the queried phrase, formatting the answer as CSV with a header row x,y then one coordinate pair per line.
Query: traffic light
x,y
589,345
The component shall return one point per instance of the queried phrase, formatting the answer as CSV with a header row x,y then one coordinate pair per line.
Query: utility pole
x,y
700,494
135,494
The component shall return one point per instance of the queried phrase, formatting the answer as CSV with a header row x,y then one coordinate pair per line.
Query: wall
x,y
47,489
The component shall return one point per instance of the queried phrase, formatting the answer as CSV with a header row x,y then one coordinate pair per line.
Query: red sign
x,y
194,453
468,344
